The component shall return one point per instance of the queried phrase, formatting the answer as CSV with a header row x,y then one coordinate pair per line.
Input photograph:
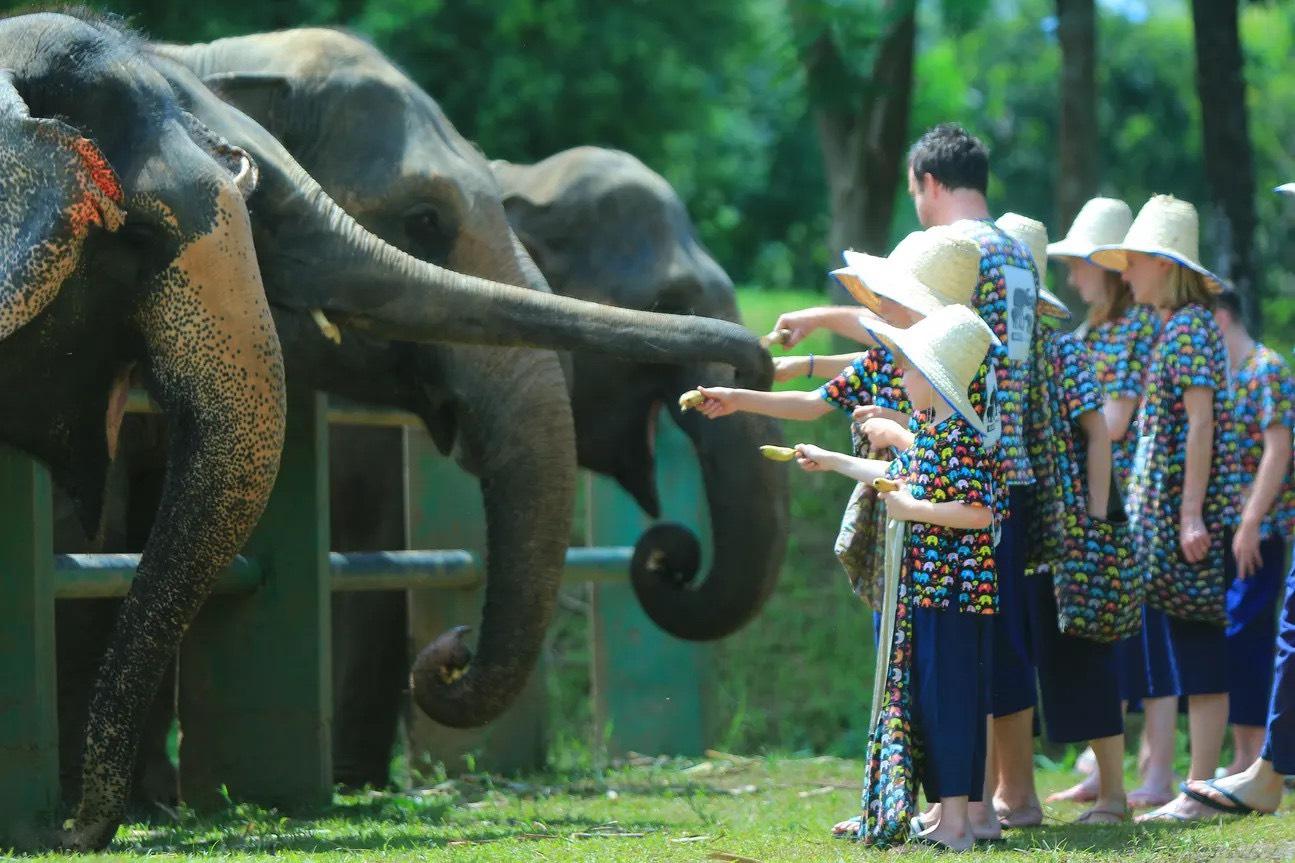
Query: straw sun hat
x,y
1100,222
1285,189
1167,228
1031,234
927,271
947,347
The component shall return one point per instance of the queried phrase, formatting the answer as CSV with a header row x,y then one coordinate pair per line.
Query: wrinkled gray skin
x,y
134,251
603,226
314,255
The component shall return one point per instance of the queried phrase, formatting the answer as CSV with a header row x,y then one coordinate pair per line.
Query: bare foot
x,y
1020,817
1149,798
946,839
984,822
1083,792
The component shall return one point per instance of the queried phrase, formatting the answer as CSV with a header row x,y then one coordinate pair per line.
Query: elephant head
x,y
602,226
126,243
424,253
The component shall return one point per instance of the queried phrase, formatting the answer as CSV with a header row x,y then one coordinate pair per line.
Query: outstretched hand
x,y
798,325
720,402
813,458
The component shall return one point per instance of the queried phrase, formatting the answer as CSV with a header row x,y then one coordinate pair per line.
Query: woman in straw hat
x,y
1070,453
1258,789
946,495
1180,498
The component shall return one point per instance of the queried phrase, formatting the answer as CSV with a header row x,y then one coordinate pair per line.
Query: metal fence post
x,y
648,687
256,687
444,509
29,791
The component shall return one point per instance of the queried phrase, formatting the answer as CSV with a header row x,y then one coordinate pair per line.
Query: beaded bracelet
x,y
810,373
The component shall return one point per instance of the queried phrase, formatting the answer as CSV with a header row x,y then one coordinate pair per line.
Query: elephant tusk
x,y
327,327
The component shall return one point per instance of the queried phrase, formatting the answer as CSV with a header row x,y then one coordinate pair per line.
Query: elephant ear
x,y
253,93
55,187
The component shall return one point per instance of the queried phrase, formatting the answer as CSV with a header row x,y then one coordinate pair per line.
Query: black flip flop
x,y
1237,807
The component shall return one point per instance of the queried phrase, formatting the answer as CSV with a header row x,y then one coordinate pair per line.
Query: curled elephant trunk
x,y
527,471
749,503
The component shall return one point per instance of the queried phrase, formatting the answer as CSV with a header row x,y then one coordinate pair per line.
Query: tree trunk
x,y
1229,166
863,138
1077,142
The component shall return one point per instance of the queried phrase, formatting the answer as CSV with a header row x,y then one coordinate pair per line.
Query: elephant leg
x,y
370,645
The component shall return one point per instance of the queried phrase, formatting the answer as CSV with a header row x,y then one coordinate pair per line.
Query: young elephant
x,y
131,251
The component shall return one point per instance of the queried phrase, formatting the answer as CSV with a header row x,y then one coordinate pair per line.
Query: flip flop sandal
x,y
935,844
1008,821
1086,817
853,832
1237,807
1166,816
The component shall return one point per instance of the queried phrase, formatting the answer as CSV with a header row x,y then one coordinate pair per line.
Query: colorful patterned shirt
x,y
1263,395
1005,297
949,568
1188,353
1121,349
872,379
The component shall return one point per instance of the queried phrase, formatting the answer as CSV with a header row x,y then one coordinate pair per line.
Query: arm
x,y
842,320
786,405
955,514
814,458
1260,497
1119,416
1192,535
825,367
1095,431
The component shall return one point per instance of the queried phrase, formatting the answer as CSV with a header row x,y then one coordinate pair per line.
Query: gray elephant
x,y
315,257
126,245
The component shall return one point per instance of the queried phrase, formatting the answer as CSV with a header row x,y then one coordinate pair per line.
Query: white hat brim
x,y
919,355
1116,258
1285,189
880,276
1051,304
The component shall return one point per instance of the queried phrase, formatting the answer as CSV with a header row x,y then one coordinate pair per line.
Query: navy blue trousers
x,y
1279,748
1252,635
1013,677
1079,679
952,654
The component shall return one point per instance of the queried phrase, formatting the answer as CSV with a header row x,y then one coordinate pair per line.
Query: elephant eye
x,y
430,239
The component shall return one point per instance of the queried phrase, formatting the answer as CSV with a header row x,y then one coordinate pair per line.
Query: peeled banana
x,y
778,453
883,485
777,337
691,399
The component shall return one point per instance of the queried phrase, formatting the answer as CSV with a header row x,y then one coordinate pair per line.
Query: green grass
x,y
773,809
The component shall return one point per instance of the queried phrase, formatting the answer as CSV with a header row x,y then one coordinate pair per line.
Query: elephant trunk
x,y
522,449
215,368
749,513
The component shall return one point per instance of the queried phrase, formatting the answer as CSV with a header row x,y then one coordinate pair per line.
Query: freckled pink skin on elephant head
x,y
602,225
127,243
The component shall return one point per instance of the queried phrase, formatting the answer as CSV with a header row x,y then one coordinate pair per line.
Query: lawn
x,y
768,809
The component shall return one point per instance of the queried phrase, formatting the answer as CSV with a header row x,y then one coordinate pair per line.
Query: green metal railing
x,y
255,691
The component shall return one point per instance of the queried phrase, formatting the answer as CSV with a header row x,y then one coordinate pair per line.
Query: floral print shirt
x,y
1263,395
949,568
1121,349
1005,297
1189,352
872,379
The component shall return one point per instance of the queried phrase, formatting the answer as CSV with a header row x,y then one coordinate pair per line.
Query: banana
x,y
778,453
327,327
691,399
777,337
882,484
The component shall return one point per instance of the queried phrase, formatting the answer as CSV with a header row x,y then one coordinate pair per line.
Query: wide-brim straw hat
x,y
1034,236
1285,189
1167,228
1100,222
948,347
927,271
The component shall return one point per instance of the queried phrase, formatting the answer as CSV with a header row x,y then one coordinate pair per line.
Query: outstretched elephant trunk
x,y
204,324
525,433
748,498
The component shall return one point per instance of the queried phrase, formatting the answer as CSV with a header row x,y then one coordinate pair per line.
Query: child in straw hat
x,y
1180,498
1258,789
1070,453
947,497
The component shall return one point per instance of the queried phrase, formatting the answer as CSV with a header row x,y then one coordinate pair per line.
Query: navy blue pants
x,y
1182,657
1279,748
1079,680
950,684
1252,635
1013,678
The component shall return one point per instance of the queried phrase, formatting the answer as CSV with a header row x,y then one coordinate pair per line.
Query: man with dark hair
x,y
948,173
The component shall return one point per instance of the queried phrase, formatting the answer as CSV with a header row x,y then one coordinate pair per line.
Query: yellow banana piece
x,y
778,453
327,327
691,399
882,484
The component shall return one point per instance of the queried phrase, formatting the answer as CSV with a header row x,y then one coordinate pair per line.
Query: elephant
x,y
308,87
127,247
357,316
